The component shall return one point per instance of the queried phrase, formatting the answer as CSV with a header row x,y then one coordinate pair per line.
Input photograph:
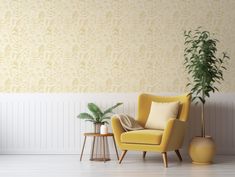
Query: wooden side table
x,y
104,138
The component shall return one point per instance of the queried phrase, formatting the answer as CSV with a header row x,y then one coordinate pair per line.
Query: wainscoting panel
x,y
220,123
47,123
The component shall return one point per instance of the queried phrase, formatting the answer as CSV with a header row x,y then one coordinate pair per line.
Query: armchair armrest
x,y
117,130
173,135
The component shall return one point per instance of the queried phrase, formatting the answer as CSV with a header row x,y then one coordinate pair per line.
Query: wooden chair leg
x,y
164,156
178,154
144,154
122,156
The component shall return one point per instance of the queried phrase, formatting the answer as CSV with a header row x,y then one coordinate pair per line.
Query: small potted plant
x,y
205,69
97,116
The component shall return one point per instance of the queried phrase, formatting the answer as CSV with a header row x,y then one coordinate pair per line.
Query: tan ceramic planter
x,y
202,150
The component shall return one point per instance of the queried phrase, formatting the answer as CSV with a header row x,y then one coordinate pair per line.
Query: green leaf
x,y
188,84
202,100
85,116
109,110
95,110
194,98
106,118
223,67
203,66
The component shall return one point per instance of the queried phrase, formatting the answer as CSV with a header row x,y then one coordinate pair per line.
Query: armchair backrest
x,y
145,100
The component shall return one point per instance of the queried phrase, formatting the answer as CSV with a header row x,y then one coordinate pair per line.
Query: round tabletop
x,y
98,134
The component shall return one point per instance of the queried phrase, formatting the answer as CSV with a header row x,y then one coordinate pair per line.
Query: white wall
x,y
47,123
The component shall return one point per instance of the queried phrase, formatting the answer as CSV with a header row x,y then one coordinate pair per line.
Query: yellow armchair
x,y
169,139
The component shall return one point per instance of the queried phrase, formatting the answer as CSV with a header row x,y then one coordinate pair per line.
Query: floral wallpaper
x,y
106,45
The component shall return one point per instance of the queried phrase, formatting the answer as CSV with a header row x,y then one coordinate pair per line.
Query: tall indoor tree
x,y
205,68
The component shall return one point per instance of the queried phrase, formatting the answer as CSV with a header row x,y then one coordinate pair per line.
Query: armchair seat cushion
x,y
146,136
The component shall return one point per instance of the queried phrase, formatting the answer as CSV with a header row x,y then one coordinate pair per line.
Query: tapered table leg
x,y
93,147
115,148
83,148
103,142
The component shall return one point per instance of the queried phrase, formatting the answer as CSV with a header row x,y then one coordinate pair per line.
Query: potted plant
x,y
205,69
97,116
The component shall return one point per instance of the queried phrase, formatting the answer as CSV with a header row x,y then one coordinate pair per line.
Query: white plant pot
x,y
103,129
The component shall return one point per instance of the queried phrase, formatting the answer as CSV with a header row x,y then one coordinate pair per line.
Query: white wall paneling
x,y
220,123
47,123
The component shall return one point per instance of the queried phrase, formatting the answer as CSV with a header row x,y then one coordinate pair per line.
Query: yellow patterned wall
x,y
105,45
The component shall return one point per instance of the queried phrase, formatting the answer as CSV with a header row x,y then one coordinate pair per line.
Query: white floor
x,y
133,165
